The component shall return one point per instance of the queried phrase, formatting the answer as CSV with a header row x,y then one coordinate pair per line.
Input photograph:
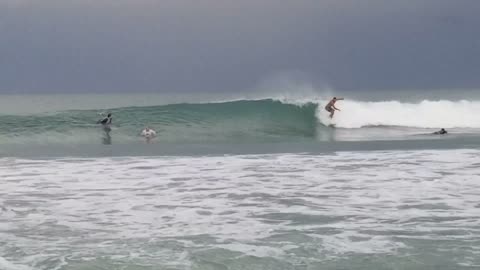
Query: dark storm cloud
x,y
147,45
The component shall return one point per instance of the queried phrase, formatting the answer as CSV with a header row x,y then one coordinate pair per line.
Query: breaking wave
x,y
242,120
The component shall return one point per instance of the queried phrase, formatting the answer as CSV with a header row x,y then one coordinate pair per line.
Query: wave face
x,y
224,122
243,120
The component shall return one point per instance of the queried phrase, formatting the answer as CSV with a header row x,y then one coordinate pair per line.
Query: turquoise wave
x,y
244,120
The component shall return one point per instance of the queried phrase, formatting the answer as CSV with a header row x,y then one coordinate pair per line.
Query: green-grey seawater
x,y
238,183
233,127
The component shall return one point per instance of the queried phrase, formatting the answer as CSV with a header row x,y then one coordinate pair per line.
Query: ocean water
x,y
266,182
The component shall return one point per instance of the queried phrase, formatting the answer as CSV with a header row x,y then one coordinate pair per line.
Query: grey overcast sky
x,y
230,45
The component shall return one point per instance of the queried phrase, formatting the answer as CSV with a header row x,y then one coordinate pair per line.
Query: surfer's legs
x,y
107,129
107,139
330,110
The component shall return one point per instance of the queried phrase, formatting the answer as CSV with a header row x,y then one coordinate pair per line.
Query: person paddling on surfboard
x,y
331,106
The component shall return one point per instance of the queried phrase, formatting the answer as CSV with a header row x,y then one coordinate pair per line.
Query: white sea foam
x,y
6,265
425,114
282,207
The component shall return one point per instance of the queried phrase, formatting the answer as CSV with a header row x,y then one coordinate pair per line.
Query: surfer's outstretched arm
x,y
333,105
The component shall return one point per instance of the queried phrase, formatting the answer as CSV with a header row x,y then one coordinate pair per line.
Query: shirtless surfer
x,y
331,106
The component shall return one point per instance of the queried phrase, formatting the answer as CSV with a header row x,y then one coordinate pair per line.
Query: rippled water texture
x,y
345,210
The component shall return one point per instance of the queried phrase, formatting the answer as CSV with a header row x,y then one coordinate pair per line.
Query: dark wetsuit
x,y
106,121
440,132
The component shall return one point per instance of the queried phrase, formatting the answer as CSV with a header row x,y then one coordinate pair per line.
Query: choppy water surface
x,y
344,210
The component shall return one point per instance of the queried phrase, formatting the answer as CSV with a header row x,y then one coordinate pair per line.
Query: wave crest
x,y
244,120
426,114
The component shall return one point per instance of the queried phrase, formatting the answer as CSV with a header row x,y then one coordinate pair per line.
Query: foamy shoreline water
x,y
353,210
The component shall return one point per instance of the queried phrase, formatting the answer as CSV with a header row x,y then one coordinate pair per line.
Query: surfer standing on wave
x,y
331,106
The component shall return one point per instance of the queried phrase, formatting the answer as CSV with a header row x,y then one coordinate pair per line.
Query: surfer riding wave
x,y
330,107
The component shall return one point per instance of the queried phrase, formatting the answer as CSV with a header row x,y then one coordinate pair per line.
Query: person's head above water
x,y
109,115
441,131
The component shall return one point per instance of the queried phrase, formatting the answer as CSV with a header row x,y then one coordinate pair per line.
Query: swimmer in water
x,y
106,121
440,132
149,134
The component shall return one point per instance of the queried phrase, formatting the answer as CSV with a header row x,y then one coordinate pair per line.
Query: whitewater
x,y
424,114
346,210
251,182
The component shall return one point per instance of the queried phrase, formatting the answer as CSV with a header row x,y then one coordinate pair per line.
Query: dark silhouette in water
x,y
106,122
107,139
440,132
